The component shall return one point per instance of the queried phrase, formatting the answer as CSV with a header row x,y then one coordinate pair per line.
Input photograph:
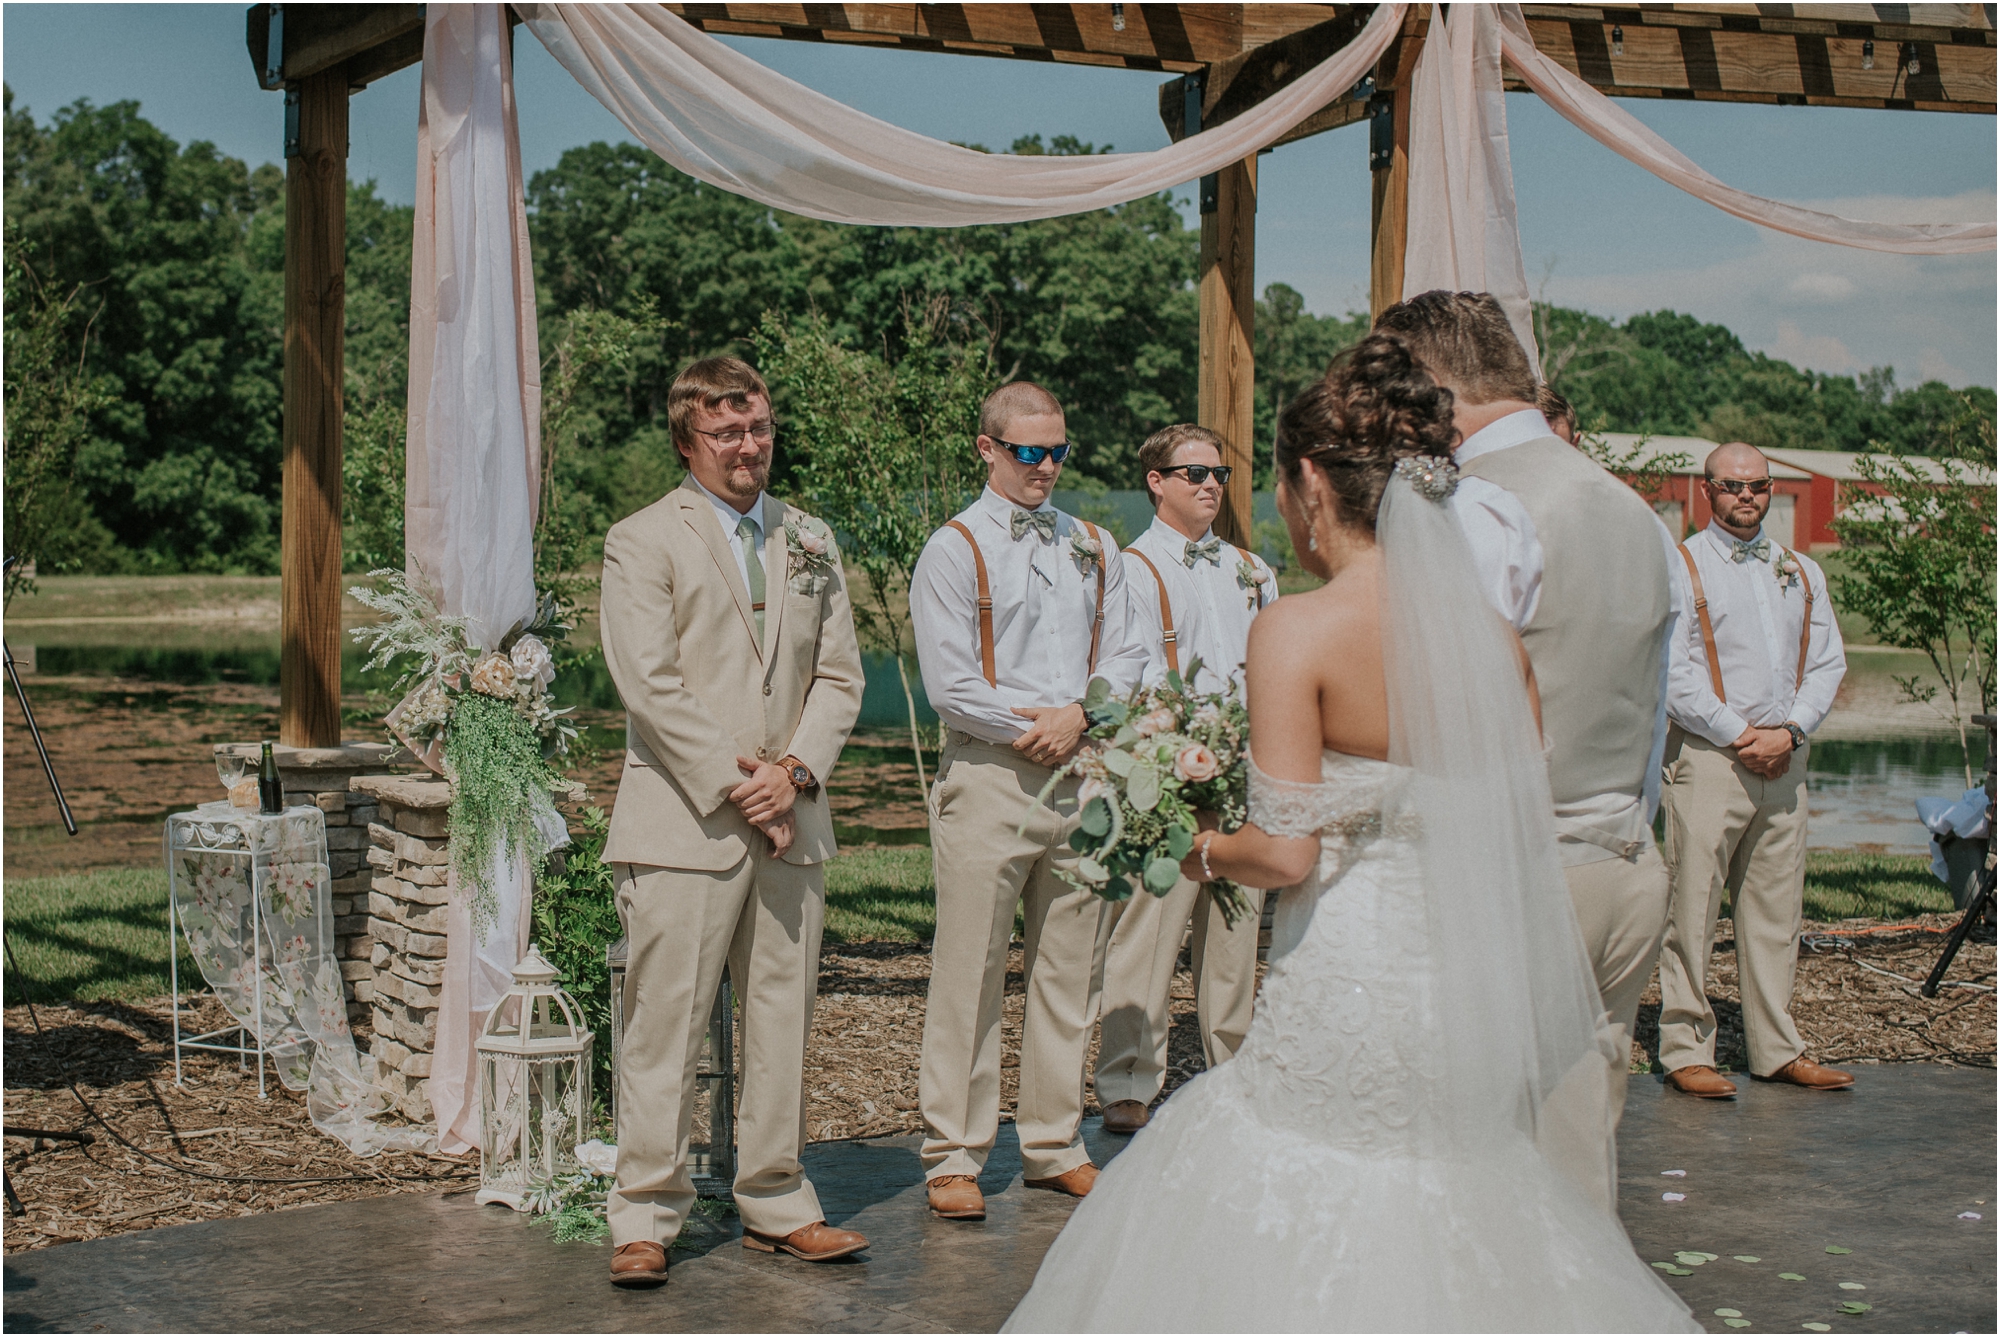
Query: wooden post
x,y
1226,394
1389,219
315,316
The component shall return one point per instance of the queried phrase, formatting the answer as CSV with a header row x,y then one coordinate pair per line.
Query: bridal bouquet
x,y
1166,752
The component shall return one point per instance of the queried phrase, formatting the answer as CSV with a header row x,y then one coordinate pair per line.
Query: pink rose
x,y
812,542
1088,790
494,677
1195,764
1157,721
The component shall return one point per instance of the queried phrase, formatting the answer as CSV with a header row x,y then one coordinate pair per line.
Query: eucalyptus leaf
x,y
1747,1258
1096,817
1092,871
1680,1271
1180,841
1729,1313
1854,1307
1174,683
1706,1257
1096,694
1081,841
1790,1276
1737,1322
1161,874
1664,1267
1689,1259
1142,789
1118,763
1125,737
1817,1327
1852,1286
1835,1248
1117,889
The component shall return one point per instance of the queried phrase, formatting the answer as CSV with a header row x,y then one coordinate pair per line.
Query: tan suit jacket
x,y
699,691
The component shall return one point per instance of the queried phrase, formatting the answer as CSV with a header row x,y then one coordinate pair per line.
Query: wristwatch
x,y
800,773
1798,734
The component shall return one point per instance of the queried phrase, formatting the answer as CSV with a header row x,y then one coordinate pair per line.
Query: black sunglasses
x,y
1036,454
1736,487
1198,473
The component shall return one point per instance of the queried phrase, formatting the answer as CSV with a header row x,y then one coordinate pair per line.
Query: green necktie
x,y
746,530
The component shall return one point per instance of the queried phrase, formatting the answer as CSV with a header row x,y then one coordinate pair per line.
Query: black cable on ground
x,y
125,1142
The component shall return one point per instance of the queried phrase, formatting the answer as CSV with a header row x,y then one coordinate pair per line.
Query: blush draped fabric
x,y
474,451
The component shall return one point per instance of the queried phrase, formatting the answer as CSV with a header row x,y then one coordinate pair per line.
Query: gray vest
x,y
1595,638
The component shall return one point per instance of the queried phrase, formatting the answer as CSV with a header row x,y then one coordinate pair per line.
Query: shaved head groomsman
x,y
1578,562
1192,597
1016,607
1753,675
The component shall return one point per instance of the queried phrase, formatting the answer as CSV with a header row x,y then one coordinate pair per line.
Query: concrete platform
x,y
1779,1174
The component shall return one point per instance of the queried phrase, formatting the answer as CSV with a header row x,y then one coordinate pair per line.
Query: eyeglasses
x,y
764,433
1036,454
1198,473
1736,487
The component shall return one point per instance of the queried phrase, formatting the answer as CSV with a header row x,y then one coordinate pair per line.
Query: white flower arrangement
x,y
1253,579
1786,569
1084,546
808,554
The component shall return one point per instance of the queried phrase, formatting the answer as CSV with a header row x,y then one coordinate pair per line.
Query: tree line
x,y
146,287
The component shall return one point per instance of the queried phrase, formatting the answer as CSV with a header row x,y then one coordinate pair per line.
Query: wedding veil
x,y
1525,1050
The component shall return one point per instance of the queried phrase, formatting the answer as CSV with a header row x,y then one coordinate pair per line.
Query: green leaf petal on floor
x,y
1680,1271
1790,1276
1747,1258
1690,1259
1835,1248
1854,1307
1709,1257
1729,1313
1665,1267
1852,1286
1737,1322
1817,1327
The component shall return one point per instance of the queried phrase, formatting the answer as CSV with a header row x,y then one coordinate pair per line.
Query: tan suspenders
x,y
1708,627
1169,637
986,602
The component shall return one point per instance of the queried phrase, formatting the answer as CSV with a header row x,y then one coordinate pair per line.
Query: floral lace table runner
x,y
252,894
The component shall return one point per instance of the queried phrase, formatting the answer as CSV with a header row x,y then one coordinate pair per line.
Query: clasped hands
x,y
1765,753
1053,734
765,799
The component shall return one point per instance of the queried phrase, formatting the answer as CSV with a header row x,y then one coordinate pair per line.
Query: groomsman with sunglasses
x,y
1193,597
1753,673
1016,607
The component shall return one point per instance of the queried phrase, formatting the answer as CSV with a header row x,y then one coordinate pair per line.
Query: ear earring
x,y
1312,531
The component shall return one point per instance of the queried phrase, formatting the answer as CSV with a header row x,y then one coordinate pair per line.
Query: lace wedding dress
x,y
1413,1136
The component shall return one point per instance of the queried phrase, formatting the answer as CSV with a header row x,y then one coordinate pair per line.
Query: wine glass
x,y
229,765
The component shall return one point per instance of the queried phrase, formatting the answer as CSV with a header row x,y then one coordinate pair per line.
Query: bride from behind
x,y
1414,1134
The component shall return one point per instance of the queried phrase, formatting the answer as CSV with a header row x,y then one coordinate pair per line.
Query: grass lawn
x,y
102,934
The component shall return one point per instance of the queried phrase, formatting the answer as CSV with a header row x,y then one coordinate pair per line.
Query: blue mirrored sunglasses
x,y
1036,454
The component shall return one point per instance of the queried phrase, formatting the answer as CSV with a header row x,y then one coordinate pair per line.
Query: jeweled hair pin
x,y
1432,477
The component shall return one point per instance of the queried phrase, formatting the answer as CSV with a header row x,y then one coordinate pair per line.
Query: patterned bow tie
x,y
1743,552
1042,522
1210,548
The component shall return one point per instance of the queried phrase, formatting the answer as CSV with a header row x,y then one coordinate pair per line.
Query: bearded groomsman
x,y
1752,678
1016,607
1578,562
1192,597
727,629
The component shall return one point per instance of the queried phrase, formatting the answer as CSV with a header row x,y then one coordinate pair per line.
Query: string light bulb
x,y
1117,18
1617,40
1868,54
1912,62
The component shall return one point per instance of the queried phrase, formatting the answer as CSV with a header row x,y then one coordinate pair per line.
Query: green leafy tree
x,y
885,454
1918,548
49,400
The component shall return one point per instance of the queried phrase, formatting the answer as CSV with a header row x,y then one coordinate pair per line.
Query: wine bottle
x,y
270,788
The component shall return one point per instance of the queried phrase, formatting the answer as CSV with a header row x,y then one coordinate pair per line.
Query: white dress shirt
x,y
729,517
1212,605
1044,602
1757,624
1505,551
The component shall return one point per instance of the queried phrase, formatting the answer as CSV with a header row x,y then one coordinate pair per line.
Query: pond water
x,y
1863,789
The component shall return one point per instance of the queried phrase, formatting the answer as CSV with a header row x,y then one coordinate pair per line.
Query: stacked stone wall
x,y
408,856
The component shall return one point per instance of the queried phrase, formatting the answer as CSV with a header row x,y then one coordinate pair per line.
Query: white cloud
x,y
1821,352
1823,287
1932,365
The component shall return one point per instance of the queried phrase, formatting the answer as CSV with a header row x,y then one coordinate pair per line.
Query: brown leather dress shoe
x,y
1802,1071
1126,1116
642,1263
1698,1079
1076,1183
957,1198
816,1243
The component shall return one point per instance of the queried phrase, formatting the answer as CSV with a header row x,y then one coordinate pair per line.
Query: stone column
x,y
409,855
323,777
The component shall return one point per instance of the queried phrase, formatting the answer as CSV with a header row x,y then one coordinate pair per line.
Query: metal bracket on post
x,y
1194,86
274,50
291,122
1381,131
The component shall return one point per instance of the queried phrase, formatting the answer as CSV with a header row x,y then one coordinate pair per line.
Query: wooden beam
x,y
315,316
1233,86
370,40
1226,384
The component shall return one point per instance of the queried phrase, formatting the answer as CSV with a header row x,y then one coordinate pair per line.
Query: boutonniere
x,y
1786,569
808,551
1083,546
1253,579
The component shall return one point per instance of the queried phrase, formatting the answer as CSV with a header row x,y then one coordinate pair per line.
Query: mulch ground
x,y
1856,1003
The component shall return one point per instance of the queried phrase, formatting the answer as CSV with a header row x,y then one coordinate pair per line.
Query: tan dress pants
x,y
1621,907
764,918
1138,981
1728,829
982,797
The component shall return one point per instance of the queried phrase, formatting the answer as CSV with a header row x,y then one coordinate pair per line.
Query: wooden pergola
x,y
1229,57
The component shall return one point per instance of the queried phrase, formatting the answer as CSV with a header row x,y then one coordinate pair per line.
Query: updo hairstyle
x,y
1375,405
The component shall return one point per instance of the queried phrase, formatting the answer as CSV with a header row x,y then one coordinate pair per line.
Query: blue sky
x,y
1596,231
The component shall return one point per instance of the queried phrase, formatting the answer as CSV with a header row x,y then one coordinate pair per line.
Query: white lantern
x,y
534,1086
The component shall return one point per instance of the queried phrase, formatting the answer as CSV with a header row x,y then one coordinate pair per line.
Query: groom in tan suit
x,y
727,629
